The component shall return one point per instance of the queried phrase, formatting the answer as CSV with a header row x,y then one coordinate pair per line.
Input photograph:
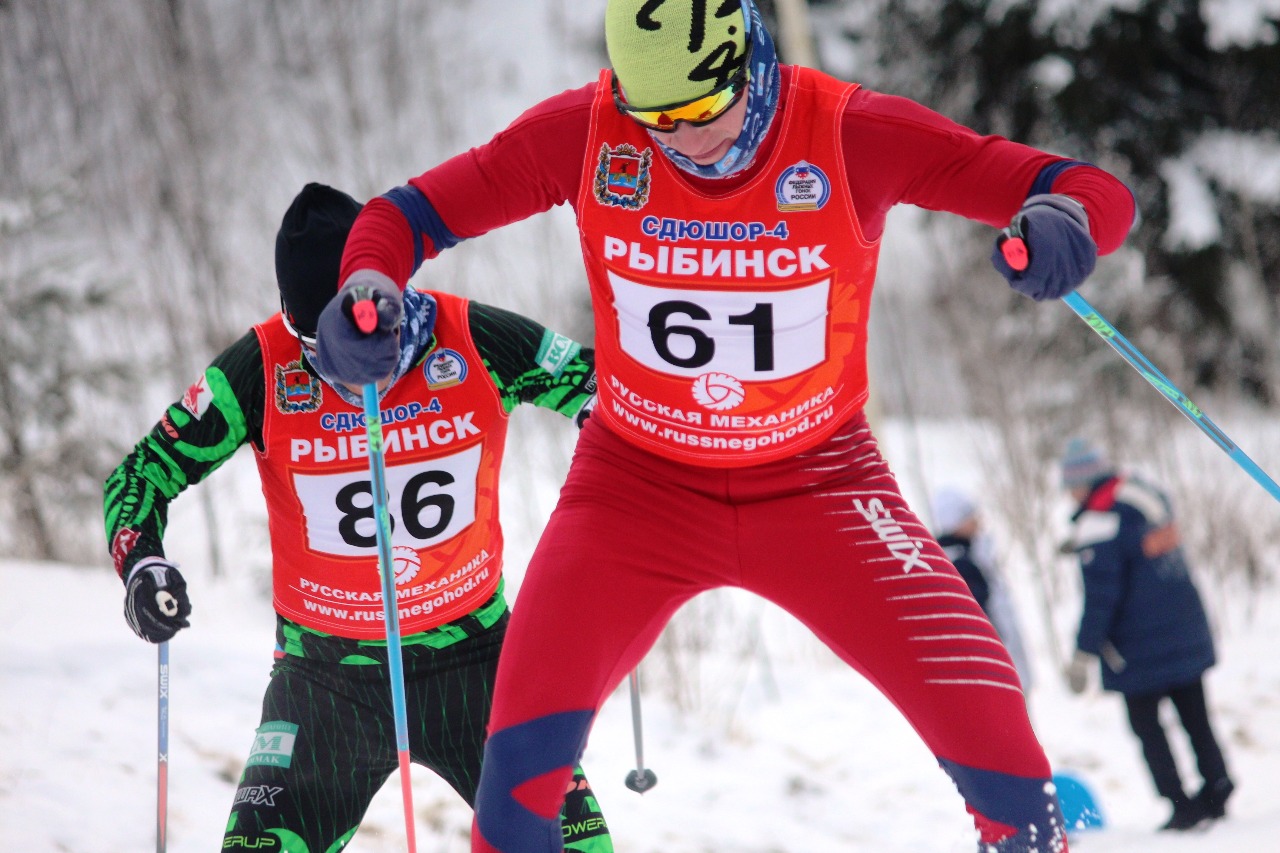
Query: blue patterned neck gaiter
x,y
762,104
416,331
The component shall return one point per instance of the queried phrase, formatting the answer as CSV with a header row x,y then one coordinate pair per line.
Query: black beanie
x,y
309,252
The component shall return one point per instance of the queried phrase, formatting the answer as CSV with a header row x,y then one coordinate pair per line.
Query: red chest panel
x,y
730,330
444,429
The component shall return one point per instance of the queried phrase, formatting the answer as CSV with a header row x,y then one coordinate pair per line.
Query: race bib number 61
x,y
755,335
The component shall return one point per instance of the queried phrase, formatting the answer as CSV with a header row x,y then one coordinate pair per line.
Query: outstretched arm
x,y
531,166
900,152
524,170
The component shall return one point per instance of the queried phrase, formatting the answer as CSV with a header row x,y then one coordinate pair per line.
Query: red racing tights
x,y
826,536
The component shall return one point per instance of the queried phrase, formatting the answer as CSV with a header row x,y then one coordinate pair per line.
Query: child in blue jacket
x,y
1144,621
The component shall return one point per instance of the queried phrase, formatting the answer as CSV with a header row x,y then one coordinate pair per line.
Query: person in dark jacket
x,y
1144,621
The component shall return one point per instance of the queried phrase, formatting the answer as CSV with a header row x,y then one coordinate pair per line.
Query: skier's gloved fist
x,y
1060,252
358,333
155,600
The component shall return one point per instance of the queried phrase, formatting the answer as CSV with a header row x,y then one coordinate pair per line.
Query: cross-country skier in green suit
x,y
326,741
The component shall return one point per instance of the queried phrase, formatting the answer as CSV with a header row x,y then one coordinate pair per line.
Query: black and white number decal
x,y
753,335
428,502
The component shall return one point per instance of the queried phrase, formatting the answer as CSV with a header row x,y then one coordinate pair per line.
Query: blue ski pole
x,y
390,610
1014,248
162,746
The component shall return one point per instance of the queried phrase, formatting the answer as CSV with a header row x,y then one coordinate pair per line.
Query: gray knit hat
x,y
1083,464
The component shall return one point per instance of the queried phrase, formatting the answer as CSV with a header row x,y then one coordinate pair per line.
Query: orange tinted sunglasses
x,y
703,110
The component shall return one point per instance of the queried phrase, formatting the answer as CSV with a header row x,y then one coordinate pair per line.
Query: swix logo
x,y
887,529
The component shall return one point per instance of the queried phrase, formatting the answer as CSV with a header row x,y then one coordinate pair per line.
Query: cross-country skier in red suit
x,y
730,212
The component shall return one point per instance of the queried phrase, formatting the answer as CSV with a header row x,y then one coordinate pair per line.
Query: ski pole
x,y
390,609
162,746
642,778
1014,248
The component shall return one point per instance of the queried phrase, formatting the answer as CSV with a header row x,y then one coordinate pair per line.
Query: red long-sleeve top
x,y
896,152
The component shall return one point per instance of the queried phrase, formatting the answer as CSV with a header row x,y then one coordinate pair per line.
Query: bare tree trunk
x,y
795,35
33,537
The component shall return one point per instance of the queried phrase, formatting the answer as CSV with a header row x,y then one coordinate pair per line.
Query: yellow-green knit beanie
x,y
670,51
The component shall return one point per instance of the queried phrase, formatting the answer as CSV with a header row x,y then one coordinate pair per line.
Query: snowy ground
x,y
789,751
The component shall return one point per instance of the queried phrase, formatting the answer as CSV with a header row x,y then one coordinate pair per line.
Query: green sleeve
x,y
183,449
529,363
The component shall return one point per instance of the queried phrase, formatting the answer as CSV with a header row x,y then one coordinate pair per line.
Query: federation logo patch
x,y
198,397
718,391
802,187
444,369
297,391
622,176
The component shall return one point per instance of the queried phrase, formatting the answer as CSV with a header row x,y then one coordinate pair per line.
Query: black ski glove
x,y
1060,252
155,600
358,333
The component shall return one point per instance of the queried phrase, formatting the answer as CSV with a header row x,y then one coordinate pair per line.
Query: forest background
x,y
149,148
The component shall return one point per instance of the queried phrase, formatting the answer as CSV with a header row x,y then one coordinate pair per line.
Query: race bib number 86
x,y
755,335
429,502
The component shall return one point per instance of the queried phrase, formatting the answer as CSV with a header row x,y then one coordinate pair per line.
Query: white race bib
x,y
754,335
429,502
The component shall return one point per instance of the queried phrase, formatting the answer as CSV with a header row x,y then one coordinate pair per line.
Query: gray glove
x,y
1058,251
1077,672
358,333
